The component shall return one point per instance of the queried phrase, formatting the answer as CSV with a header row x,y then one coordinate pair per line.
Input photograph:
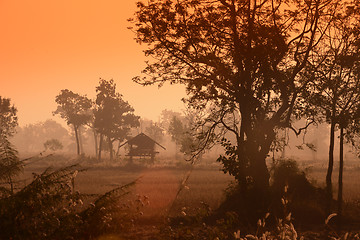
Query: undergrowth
x,y
50,207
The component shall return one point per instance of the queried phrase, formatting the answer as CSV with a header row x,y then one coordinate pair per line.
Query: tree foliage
x,y
334,89
176,130
114,117
75,109
244,59
53,145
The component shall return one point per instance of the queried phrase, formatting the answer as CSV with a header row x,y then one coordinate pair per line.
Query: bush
x,y
305,199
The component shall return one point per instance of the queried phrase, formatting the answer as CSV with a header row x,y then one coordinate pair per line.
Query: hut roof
x,y
142,140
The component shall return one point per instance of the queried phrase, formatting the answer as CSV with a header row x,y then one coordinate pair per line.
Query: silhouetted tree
x,y
75,109
114,117
335,88
242,59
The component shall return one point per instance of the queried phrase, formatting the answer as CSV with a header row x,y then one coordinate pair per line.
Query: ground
x,y
205,187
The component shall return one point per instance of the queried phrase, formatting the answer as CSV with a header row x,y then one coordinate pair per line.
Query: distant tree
x,y
30,138
176,129
114,117
242,59
155,131
166,116
75,109
184,134
8,118
53,145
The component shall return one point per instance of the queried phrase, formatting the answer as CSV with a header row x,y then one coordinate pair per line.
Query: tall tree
x,y
335,90
243,59
75,109
114,117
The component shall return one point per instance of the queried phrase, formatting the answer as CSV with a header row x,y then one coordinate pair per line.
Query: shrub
x,y
306,200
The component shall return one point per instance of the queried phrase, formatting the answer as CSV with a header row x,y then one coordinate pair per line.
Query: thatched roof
x,y
142,140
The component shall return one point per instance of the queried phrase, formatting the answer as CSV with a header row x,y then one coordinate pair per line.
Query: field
x,y
160,185
205,184
168,197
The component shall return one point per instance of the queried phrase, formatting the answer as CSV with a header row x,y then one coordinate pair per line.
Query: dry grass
x,y
207,185
160,185
351,183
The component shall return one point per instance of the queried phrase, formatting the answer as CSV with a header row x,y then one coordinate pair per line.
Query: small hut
x,y
142,146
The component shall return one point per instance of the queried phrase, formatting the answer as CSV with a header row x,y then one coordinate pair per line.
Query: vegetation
x,y
227,57
114,117
74,108
8,118
253,70
53,145
58,211
30,139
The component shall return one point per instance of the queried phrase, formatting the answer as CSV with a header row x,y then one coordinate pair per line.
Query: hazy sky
x,y
49,45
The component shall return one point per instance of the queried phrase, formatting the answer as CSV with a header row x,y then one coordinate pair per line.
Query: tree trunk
x,y
330,167
11,185
100,146
261,174
77,139
130,154
96,143
110,149
118,149
80,140
341,168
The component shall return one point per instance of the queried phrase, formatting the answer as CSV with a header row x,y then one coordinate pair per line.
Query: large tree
x,y
75,109
114,117
243,59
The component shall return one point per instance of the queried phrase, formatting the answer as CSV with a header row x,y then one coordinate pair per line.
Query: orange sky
x,y
46,46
